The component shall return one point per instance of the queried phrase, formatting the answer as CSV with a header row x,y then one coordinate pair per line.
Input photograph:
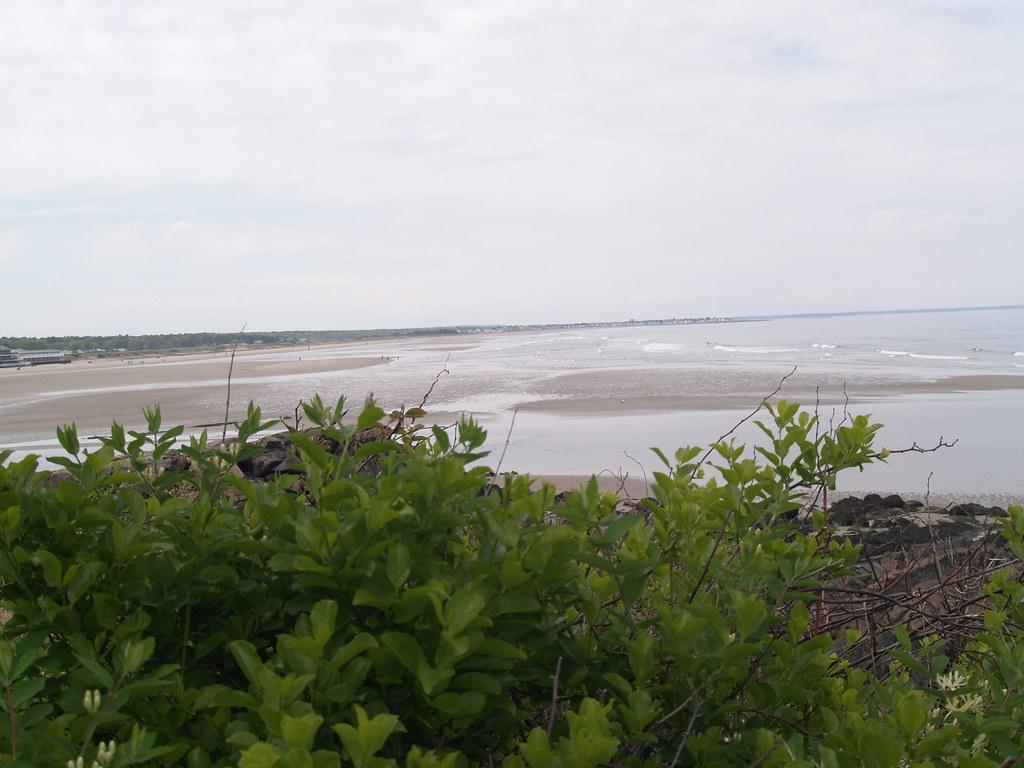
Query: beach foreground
x,y
596,401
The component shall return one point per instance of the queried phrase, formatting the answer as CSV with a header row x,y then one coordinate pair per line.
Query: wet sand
x,y
190,389
576,414
695,391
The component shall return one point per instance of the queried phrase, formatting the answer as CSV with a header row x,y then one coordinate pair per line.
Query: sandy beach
x,y
190,389
597,399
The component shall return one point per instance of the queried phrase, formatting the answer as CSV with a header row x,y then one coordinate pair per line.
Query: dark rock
x,y
893,502
263,465
175,461
970,509
904,532
849,511
874,501
913,504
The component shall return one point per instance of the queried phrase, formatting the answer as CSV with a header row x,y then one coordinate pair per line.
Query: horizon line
x,y
705,319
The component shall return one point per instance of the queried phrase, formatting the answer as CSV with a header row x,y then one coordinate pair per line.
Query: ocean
x,y
594,399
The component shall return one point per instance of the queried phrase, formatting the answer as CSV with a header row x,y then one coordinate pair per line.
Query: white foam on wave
x,y
658,346
919,355
937,357
824,346
755,350
1018,354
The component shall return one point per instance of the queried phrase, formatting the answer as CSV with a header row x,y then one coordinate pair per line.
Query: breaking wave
x,y
938,357
756,350
658,346
918,355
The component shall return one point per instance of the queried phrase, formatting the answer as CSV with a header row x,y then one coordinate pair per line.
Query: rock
x,y
873,501
175,461
263,465
905,531
893,502
970,509
849,511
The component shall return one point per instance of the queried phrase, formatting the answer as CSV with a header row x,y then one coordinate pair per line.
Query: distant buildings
x,y
15,358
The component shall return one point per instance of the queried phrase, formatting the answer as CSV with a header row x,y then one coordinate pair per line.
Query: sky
x,y
184,166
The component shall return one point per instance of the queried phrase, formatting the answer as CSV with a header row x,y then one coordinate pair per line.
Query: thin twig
x,y
915,448
231,370
508,438
647,485
740,423
686,734
554,696
444,371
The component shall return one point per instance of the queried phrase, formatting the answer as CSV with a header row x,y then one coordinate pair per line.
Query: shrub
x,y
398,607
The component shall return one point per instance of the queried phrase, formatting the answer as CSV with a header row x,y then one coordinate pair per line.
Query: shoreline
x,y
831,394
635,487
191,388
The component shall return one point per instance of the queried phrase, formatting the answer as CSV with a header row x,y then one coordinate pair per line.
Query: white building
x,y
11,358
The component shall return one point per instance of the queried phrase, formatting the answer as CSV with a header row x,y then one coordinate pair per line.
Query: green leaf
x,y
137,653
500,649
25,689
322,618
370,417
100,675
367,737
259,755
222,696
399,564
358,644
460,705
299,732
620,527
799,620
461,608
247,658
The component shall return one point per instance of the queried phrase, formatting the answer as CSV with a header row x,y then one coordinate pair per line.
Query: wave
x,y
658,346
755,350
918,355
824,346
938,357
1018,354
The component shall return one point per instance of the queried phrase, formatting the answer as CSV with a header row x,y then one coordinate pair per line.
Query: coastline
x,y
704,398
635,487
189,389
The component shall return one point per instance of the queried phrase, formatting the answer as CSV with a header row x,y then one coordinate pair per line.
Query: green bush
x,y
397,607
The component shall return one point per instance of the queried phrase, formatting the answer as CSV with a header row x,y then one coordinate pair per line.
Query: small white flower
x,y
91,701
953,681
965,704
105,752
979,744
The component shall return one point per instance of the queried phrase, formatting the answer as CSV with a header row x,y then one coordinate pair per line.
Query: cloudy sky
x,y
184,165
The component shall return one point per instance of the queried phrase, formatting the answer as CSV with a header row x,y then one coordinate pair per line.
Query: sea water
x,y
682,372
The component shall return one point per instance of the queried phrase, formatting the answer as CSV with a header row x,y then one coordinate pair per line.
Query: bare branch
x,y
554,696
231,369
741,422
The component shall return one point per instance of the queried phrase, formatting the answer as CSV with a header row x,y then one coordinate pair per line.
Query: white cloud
x,y
675,158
